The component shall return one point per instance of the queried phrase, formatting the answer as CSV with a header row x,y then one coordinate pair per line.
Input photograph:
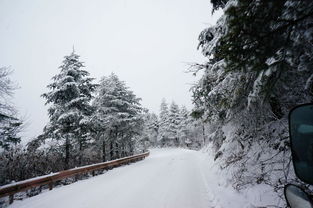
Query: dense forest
x,y
259,66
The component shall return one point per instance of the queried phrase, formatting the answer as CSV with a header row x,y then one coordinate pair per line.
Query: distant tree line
x,y
174,127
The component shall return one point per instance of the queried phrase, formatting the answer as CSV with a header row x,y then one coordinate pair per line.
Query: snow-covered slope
x,y
167,178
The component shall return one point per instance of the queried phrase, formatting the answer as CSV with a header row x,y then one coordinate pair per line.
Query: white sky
x,y
147,43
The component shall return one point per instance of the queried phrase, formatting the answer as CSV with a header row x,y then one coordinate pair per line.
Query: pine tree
x,y
117,117
10,125
163,136
70,110
151,128
9,129
184,126
174,121
218,4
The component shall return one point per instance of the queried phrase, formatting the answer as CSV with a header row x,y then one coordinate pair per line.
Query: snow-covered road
x,y
167,178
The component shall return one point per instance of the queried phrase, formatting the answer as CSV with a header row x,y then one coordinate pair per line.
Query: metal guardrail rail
x,y
11,189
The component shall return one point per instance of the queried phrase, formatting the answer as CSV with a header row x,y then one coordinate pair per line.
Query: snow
x,y
228,129
223,194
167,178
258,85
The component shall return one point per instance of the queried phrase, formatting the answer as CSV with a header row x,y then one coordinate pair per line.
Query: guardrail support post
x,y
50,186
11,198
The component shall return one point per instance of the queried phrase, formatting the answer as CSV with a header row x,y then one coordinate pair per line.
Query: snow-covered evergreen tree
x,y
117,117
151,128
9,129
70,110
174,122
178,128
10,125
163,135
184,126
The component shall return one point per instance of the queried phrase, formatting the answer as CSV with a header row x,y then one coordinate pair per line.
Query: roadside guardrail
x,y
11,189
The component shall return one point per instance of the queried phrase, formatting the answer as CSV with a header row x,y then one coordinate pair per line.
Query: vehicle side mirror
x,y
296,197
301,140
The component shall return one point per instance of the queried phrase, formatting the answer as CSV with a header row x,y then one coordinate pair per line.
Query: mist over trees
x,y
259,67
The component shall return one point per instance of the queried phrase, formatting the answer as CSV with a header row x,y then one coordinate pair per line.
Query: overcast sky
x,y
147,43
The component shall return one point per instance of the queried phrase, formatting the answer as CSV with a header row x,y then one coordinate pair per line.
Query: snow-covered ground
x,y
167,178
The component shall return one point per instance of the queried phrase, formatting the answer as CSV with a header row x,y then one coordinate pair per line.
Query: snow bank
x,y
224,195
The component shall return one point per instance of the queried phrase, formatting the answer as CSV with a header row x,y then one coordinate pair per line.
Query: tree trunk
x,y
80,153
111,150
203,132
117,155
67,152
103,151
123,150
116,146
131,148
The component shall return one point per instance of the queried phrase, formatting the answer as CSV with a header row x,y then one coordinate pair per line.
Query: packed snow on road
x,y
167,178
